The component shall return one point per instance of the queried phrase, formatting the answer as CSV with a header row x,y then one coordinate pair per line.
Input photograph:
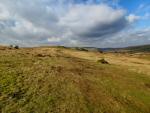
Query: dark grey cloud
x,y
101,30
4,24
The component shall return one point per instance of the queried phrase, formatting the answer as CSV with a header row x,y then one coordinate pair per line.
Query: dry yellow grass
x,y
60,80
133,62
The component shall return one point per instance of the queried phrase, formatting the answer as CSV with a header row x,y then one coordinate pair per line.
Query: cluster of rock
x,y
14,46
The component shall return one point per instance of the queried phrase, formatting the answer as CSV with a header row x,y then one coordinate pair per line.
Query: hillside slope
x,y
142,48
59,80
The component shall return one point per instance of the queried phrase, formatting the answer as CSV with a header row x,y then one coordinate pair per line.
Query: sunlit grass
x,y
55,82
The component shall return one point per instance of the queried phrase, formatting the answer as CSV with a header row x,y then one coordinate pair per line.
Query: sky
x,y
90,23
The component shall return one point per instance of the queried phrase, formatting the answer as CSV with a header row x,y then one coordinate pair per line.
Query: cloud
x,y
128,38
26,21
132,18
90,21
60,22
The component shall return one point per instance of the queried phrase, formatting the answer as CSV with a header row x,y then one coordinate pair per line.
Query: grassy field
x,y
60,80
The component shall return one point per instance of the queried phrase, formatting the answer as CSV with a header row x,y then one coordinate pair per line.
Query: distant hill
x,y
142,48
88,49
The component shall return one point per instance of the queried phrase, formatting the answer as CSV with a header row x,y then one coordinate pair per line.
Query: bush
x,y
16,47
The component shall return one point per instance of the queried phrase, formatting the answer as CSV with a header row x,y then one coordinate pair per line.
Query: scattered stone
x,y
147,85
40,55
43,55
103,61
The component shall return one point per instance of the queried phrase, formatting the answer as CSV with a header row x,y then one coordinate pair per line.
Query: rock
x,y
103,61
